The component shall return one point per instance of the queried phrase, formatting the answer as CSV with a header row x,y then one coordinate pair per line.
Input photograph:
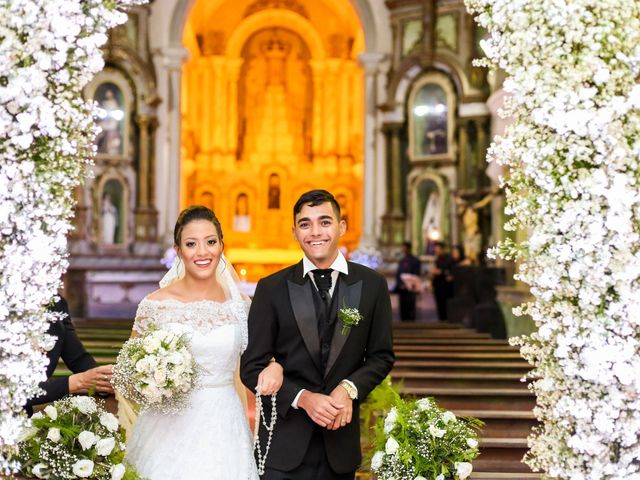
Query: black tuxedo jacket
x,y
67,346
283,325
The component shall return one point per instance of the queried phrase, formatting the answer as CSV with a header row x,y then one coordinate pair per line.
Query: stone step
x,y
477,398
506,460
454,348
425,326
504,476
449,355
444,333
502,423
446,375
472,382
425,341
463,365
503,442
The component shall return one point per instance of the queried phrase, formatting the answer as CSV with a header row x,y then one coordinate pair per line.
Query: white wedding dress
x,y
210,440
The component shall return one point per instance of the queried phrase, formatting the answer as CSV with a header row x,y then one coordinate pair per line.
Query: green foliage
x,y
57,441
380,400
418,438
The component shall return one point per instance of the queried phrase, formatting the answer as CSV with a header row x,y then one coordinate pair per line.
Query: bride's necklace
x,y
262,459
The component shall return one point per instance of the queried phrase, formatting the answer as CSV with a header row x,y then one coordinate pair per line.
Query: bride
x,y
210,439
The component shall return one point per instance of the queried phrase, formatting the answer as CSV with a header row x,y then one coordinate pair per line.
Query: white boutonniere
x,y
350,317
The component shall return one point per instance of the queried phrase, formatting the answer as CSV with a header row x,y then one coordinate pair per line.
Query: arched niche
x,y
429,208
115,100
431,118
111,212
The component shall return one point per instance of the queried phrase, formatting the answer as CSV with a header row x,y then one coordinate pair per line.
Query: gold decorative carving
x,y
293,5
211,43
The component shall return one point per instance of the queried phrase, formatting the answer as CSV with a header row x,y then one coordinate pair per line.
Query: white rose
x,y
376,460
117,472
83,468
423,404
463,469
51,412
152,393
87,439
390,420
419,477
160,375
40,470
440,477
86,405
436,432
472,442
109,421
448,417
27,433
151,344
104,446
391,446
54,435
37,415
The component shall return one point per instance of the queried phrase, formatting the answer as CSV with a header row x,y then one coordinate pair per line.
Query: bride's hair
x,y
192,213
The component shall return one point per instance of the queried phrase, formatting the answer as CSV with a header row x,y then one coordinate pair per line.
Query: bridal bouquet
x,y
156,370
74,438
418,440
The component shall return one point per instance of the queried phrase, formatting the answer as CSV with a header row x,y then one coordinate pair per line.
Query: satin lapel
x,y
349,296
304,311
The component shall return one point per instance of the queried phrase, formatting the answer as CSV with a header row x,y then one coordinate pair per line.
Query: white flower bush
x,y
49,50
77,443
573,156
418,440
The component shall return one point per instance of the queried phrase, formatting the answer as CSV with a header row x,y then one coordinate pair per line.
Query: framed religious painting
x,y
113,99
431,109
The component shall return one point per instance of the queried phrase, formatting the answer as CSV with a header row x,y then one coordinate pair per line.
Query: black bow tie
x,y
323,280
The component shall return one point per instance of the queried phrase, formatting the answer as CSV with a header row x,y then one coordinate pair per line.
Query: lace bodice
x,y
217,330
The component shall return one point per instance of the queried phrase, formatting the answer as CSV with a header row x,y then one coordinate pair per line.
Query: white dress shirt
x,y
339,266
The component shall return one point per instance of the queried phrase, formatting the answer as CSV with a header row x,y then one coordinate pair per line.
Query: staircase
x,y
467,372
474,375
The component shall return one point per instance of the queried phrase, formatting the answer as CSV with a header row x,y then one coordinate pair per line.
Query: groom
x,y
327,374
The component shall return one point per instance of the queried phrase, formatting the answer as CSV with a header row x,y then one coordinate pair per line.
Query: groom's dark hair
x,y
313,198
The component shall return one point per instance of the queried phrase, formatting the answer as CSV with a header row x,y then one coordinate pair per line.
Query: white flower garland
x,y
49,50
574,154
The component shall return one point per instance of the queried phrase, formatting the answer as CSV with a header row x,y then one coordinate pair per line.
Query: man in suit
x,y
68,347
294,319
407,291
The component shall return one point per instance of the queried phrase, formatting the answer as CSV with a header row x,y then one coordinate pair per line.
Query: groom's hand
x,y
341,397
322,409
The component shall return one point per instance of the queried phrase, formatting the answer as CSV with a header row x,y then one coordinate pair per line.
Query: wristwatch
x,y
351,391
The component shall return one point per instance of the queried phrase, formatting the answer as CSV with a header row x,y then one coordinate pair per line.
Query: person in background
x,y
458,256
441,279
86,375
408,283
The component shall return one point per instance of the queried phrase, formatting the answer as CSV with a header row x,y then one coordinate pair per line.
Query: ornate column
x,y
371,64
482,124
145,213
463,141
393,222
168,172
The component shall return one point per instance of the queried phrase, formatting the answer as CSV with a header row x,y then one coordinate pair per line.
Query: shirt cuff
x,y
353,385
294,404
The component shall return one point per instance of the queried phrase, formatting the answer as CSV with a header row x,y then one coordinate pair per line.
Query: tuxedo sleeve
x,y
72,352
379,356
263,330
75,356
